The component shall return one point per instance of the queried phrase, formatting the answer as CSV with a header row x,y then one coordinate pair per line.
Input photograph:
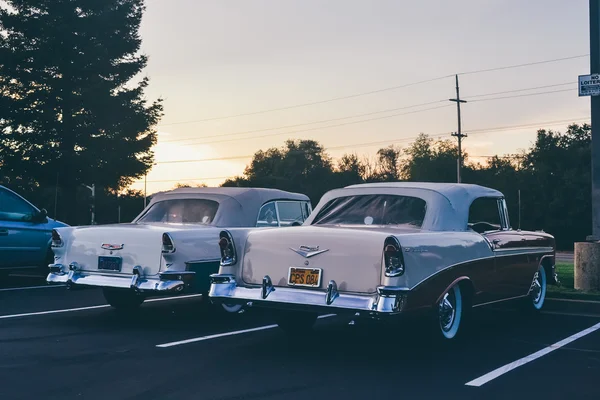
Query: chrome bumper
x,y
387,301
165,282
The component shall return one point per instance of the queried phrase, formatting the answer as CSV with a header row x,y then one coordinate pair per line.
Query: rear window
x,y
182,211
375,209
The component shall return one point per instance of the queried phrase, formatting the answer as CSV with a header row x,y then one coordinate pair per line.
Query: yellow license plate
x,y
310,277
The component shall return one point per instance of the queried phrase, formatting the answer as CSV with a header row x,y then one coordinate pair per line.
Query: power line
x,y
523,65
391,141
360,121
521,90
372,91
524,95
358,115
320,127
311,103
307,123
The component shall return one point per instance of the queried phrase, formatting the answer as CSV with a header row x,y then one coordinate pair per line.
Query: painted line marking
x,y
522,361
30,287
88,308
218,335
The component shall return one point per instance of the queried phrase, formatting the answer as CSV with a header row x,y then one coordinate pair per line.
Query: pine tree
x,y
70,109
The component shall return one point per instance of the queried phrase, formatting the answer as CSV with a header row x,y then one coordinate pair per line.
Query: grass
x,y
565,290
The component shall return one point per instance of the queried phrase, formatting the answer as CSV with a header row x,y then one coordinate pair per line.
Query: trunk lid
x,y
110,245
352,257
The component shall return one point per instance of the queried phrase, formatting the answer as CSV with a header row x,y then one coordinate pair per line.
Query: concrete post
x,y
587,266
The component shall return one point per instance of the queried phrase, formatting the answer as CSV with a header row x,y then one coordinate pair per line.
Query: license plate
x,y
109,263
309,277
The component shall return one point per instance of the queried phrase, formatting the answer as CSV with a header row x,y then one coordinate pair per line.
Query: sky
x,y
213,59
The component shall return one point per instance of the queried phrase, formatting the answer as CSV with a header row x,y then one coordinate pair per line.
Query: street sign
x,y
589,85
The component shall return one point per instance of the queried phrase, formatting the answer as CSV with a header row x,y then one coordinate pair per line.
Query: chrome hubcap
x,y
447,311
536,288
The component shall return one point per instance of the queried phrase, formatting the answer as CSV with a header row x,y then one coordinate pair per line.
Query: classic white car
x,y
171,247
388,249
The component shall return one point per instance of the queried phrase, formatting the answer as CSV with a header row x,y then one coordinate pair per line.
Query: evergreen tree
x,y
69,108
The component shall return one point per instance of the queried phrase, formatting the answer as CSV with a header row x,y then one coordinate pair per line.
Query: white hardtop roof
x,y
238,206
447,203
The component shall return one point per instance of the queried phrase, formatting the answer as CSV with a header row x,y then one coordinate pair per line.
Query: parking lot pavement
x,y
96,353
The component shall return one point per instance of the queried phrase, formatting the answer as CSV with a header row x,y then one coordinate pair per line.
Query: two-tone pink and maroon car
x,y
388,249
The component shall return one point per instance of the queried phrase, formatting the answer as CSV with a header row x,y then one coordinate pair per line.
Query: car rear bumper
x,y
166,282
388,301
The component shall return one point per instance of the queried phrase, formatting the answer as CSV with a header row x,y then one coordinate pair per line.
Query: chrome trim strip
x,y
520,251
499,301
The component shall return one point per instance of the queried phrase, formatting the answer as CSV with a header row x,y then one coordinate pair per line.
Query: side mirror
x,y
40,216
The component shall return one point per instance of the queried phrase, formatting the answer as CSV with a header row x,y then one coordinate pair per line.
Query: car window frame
x,y
502,214
32,213
301,203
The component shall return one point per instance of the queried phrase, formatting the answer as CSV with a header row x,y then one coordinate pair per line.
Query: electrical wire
x,y
373,91
392,141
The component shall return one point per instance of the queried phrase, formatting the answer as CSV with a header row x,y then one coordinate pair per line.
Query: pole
x,y
595,118
93,202
458,134
56,196
145,175
519,209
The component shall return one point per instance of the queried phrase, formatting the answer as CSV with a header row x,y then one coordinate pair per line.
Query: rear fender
x,y
239,237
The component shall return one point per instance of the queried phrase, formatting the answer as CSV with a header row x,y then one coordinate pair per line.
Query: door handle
x,y
3,232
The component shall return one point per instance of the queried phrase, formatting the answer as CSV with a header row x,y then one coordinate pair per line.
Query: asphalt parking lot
x,y
58,344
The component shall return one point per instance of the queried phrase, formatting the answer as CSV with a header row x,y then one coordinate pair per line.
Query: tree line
x,y
552,177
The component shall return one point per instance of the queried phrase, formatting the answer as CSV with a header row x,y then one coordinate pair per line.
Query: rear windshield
x,y
182,211
373,209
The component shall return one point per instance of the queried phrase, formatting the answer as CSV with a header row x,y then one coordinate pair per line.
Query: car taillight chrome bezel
x,y
227,248
56,240
393,257
168,246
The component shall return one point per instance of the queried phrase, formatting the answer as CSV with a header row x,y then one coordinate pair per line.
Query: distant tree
x,y
557,184
300,166
187,185
350,170
69,110
426,160
388,162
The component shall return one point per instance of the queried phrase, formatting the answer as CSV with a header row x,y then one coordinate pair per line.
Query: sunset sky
x,y
214,58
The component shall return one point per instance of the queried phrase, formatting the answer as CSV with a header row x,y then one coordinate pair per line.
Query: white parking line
x,y
89,308
218,335
515,364
30,287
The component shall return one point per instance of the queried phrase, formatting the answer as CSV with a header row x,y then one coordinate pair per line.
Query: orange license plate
x,y
309,277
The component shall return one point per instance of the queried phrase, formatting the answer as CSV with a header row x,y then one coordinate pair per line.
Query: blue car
x,y
25,234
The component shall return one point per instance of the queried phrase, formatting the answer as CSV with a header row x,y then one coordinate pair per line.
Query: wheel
x,y
450,313
122,300
231,308
295,323
537,293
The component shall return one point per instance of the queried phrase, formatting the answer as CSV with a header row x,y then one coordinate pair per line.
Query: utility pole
x,y
587,254
145,175
93,190
458,134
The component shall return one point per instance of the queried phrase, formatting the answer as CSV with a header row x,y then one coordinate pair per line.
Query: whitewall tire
x,y
537,293
450,313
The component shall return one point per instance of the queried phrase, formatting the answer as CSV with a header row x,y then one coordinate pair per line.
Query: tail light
x,y
56,239
167,243
228,256
393,258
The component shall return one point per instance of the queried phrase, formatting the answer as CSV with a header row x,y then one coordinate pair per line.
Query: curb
x,y
572,306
